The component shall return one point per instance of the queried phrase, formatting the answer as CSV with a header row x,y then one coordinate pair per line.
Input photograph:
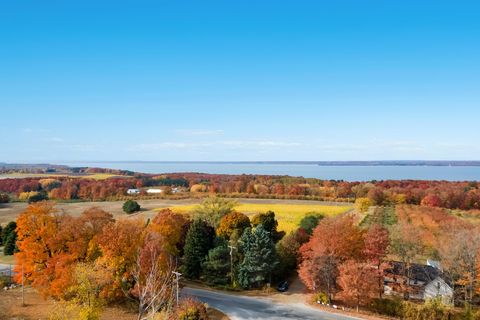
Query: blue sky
x,y
239,80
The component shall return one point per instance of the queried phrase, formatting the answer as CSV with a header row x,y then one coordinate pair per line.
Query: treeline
x,y
444,194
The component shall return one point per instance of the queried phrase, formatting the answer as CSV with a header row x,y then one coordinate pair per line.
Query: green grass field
x,y
288,215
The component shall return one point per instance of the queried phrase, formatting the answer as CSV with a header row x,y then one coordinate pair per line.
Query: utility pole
x,y
231,263
23,287
177,278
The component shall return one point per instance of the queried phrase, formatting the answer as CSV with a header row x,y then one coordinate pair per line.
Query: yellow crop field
x,y
102,176
288,215
96,176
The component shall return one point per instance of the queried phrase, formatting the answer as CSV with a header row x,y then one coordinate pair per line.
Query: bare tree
x,y
406,244
458,250
154,280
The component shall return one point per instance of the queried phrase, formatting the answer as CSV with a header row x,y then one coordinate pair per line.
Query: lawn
x,y
5,259
288,215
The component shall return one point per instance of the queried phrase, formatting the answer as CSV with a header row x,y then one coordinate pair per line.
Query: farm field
x,y
288,215
95,176
10,211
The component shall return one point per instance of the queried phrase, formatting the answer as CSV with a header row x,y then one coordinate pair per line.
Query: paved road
x,y
5,269
249,308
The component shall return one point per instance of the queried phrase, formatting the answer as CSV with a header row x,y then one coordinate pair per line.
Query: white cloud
x,y
199,132
55,139
230,144
30,130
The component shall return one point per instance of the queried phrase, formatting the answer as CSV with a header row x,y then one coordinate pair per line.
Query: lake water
x,y
348,173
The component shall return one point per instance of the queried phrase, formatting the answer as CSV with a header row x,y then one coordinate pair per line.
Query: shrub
x,y
431,310
320,297
24,196
39,196
4,198
33,196
190,309
131,206
4,282
388,307
310,221
198,188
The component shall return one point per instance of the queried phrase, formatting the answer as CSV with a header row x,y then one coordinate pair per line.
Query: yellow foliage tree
x,y
362,204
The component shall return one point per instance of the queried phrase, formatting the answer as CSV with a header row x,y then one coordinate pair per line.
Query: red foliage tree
x,y
358,281
431,200
334,241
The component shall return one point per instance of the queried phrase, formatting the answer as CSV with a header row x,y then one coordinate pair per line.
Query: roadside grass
x,y
38,307
95,176
288,215
6,259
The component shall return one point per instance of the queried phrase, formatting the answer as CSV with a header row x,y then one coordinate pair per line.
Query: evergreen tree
x,y
198,242
269,223
11,226
10,244
216,267
131,206
260,258
1,236
310,222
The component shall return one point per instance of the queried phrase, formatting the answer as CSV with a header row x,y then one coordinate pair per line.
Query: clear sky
x,y
239,80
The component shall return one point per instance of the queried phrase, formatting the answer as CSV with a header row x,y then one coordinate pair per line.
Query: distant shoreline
x,y
325,170
428,163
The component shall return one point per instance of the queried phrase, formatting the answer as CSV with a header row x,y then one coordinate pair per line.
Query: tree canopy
x,y
260,257
213,209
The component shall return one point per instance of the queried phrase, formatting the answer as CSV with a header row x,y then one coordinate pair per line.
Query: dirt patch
x,y
9,212
37,308
214,314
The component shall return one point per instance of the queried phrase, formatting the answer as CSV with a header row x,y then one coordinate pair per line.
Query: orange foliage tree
x,y
172,228
232,225
358,281
333,241
376,244
119,244
50,244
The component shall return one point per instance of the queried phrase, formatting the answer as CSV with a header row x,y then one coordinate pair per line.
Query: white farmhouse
x,y
154,191
423,281
133,191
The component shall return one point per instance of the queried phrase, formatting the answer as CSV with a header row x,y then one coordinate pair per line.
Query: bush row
x,y
430,310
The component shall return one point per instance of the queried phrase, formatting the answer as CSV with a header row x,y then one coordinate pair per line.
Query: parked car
x,y
282,286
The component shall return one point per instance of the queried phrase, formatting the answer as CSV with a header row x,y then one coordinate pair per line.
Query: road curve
x,y
250,308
